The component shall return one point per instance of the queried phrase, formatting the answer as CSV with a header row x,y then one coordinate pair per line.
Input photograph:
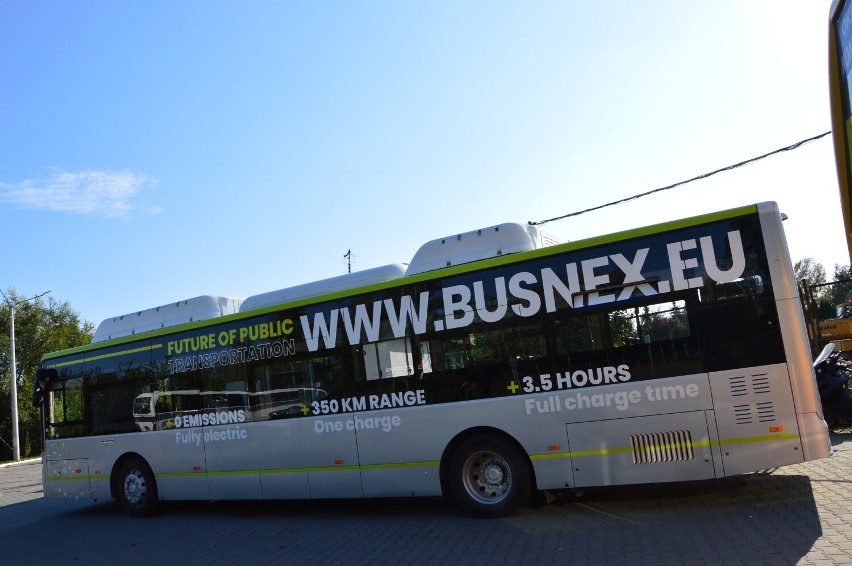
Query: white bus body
x,y
669,353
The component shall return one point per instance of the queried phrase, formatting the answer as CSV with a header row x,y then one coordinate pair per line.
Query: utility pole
x,y
348,256
16,445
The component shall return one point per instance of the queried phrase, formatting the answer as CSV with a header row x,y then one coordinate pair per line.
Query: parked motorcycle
x,y
833,375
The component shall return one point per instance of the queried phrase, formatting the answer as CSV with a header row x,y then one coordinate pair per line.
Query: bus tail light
x,y
776,429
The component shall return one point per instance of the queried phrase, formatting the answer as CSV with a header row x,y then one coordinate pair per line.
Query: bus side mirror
x,y
42,378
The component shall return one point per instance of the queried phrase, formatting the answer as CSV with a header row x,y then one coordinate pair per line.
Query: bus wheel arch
x,y
487,472
133,485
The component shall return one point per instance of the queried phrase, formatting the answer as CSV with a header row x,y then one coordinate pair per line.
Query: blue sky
x,y
152,152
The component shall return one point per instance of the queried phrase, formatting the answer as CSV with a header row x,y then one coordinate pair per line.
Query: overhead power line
x,y
796,145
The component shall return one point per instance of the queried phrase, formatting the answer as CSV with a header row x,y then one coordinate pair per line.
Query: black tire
x,y
489,476
137,488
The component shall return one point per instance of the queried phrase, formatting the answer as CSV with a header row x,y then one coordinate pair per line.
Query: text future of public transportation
x,y
497,363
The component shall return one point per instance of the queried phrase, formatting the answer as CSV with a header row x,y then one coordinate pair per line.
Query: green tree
x,y
622,326
826,296
664,322
810,271
841,291
42,325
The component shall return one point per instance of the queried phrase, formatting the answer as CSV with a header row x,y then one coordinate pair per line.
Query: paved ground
x,y
796,515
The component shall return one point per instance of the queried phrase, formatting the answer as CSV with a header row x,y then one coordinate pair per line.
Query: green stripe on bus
x,y
105,356
72,478
275,471
703,444
400,465
767,438
424,464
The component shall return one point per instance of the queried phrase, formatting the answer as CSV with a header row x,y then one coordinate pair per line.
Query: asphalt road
x,y
795,515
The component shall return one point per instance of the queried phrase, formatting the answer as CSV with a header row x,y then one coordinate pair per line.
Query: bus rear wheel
x,y
137,489
489,476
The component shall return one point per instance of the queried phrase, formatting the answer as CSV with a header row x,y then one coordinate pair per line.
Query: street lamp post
x,y
16,448
16,445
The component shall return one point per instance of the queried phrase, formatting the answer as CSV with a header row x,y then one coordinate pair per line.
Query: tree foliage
x,y
826,294
809,271
42,325
841,291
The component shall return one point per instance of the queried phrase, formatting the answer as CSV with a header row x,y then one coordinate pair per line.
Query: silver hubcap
x,y
134,487
487,477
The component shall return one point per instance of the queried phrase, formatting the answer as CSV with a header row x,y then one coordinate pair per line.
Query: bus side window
x,y
283,390
423,358
651,323
280,390
328,373
392,358
166,398
225,388
66,408
455,353
573,334
522,343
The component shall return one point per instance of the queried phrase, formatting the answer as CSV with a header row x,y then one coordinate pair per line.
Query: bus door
x,y
331,453
66,462
302,437
276,439
231,456
332,458
176,454
390,373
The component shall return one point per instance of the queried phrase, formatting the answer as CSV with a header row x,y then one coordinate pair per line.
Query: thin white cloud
x,y
96,193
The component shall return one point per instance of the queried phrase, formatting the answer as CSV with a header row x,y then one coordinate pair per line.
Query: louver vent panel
x,y
765,412
756,386
656,447
738,386
742,414
749,384
760,383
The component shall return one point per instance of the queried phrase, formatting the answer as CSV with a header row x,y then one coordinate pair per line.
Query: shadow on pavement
x,y
756,518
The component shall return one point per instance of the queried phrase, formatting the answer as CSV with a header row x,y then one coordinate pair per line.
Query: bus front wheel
x,y
489,476
137,489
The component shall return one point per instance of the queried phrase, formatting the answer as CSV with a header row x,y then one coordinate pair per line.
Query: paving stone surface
x,y
795,515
